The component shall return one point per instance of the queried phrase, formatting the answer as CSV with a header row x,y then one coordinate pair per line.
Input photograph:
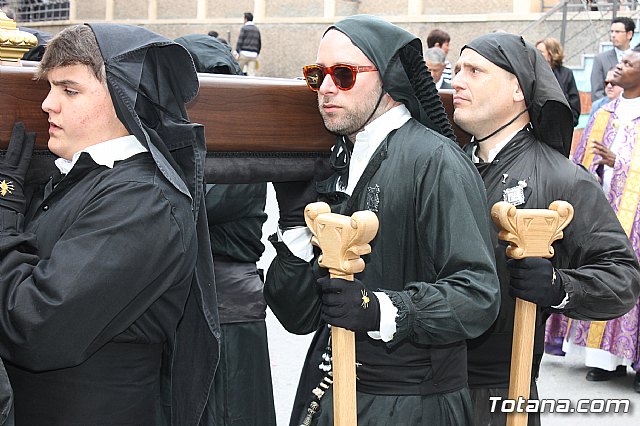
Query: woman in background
x,y
554,54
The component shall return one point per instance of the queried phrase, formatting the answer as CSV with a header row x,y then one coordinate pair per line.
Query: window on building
x,y
37,10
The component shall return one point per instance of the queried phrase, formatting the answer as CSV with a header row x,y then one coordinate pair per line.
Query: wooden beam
x,y
257,128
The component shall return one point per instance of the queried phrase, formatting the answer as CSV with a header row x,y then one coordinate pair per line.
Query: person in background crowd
x,y
435,58
242,390
507,98
611,90
216,35
622,29
248,46
609,150
441,39
554,54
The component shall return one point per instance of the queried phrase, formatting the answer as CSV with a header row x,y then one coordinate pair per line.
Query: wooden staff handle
x,y
530,233
343,240
343,354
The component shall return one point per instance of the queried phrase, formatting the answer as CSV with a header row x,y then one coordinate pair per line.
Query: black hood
x,y
549,110
398,56
209,54
150,78
149,91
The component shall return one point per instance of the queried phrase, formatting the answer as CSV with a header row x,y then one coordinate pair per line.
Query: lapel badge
x,y
373,198
515,195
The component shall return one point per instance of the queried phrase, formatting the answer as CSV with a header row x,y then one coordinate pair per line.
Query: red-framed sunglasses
x,y
343,75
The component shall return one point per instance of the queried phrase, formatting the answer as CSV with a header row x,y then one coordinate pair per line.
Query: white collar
x,y
375,132
628,109
105,153
493,152
620,53
370,138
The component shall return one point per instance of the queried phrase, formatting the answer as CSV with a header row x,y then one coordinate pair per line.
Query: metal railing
x,y
612,6
37,10
587,39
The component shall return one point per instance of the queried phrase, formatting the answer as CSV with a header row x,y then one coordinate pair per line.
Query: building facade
x,y
291,29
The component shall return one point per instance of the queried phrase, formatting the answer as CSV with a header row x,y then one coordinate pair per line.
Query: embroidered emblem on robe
x,y
373,198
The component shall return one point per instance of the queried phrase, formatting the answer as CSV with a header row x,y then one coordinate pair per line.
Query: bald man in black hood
x,y
429,282
506,96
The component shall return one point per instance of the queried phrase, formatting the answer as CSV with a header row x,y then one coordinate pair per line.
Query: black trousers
x,y
483,416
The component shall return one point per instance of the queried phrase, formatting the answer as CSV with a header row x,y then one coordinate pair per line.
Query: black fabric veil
x,y
209,54
398,56
150,79
549,110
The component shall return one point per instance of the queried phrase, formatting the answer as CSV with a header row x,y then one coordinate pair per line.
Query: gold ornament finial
x,y
13,42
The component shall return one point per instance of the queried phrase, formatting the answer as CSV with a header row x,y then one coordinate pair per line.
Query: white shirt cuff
x,y
563,303
388,314
298,240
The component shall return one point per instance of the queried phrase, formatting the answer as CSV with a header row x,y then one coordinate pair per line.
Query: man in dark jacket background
x,y
507,97
242,392
248,46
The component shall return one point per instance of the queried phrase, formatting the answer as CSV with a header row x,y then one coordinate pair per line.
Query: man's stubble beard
x,y
348,122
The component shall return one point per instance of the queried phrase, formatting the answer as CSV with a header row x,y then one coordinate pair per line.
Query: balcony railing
x,y
37,10
594,5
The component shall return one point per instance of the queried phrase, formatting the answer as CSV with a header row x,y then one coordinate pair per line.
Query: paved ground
x,y
560,378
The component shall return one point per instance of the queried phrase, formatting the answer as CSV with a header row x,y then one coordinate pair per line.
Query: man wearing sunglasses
x,y
430,280
621,33
611,90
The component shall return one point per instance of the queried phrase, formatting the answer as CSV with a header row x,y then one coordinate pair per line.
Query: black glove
x,y
535,280
14,169
349,304
292,198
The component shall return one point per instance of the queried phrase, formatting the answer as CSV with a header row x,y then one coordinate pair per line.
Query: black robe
x,y
242,390
432,256
594,259
92,292
568,84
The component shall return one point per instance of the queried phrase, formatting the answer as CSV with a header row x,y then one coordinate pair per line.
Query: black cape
x,y
209,54
594,259
149,92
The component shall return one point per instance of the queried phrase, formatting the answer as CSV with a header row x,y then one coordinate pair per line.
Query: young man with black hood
x,y
430,278
107,295
507,97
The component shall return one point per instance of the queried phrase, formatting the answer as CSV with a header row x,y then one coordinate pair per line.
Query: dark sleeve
x,y
598,74
235,215
453,224
241,37
603,278
259,42
573,97
6,398
116,258
291,291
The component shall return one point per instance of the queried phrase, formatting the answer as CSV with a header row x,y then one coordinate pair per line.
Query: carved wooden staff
x,y
343,240
530,233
